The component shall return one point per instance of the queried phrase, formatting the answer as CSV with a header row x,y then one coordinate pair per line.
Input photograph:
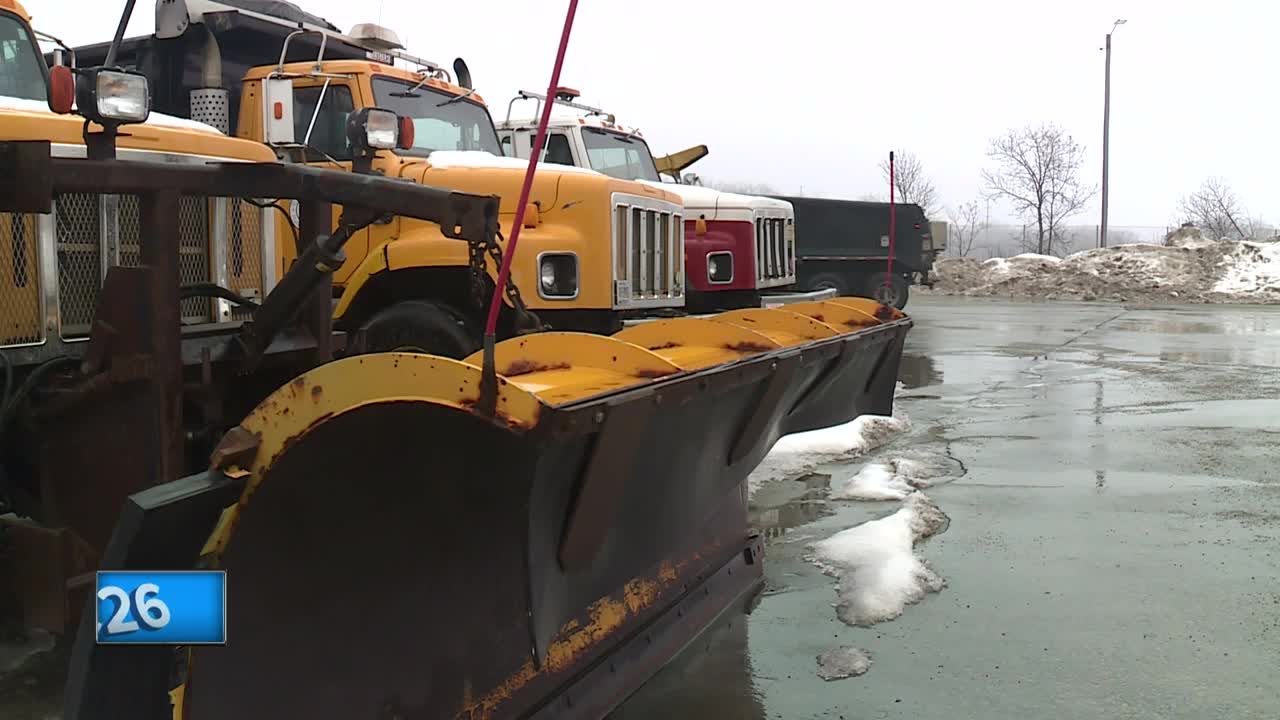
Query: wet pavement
x,y
1114,545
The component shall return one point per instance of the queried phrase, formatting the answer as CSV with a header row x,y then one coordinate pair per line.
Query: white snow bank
x,y
896,478
1253,268
1188,267
1036,257
842,662
480,159
801,453
875,481
8,102
875,563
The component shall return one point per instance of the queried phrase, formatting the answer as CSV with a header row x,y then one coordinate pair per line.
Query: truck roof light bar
x,y
564,96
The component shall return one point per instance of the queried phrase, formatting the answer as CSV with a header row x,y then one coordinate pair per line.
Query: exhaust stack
x,y
211,104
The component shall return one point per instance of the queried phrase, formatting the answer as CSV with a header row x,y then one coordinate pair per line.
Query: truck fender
x,y
423,249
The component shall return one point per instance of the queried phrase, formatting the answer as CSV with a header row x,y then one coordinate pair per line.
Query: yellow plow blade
x,y
390,548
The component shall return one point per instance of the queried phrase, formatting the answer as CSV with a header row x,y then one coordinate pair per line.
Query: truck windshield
x,y
21,65
620,156
438,124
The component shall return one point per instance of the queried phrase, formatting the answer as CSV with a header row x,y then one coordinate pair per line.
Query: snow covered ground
x,y
1190,268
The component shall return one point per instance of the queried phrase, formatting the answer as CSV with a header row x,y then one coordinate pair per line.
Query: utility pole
x,y
1106,132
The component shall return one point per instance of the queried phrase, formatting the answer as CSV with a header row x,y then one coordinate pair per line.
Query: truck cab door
x,y
320,123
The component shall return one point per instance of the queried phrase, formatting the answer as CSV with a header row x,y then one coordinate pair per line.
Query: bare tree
x,y
913,185
1215,209
1037,171
966,224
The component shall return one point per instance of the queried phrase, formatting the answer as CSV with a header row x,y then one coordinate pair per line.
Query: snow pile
x,y
1253,270
1189,268
799,454
842,662
875,564
894,479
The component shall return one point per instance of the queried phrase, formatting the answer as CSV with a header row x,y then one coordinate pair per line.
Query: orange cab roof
x,y
358,67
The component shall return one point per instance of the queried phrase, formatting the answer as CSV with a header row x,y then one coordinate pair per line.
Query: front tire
x,y
824,281
420,326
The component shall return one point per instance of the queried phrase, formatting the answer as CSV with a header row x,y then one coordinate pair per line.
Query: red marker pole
x,y
893,216
488,378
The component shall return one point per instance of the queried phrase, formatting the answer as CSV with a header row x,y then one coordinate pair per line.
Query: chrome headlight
x,y
113,96
720,267
558,275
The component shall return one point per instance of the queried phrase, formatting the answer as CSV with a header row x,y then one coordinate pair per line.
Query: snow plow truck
x,y
740,249
528,531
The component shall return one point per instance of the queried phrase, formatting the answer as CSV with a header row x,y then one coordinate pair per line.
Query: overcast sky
x,y
813,93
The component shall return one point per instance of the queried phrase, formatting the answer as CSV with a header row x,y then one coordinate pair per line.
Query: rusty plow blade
x,y
837,358
392,553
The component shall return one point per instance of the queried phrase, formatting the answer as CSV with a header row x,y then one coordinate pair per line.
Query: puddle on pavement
x,y
725,686
916,371
779,507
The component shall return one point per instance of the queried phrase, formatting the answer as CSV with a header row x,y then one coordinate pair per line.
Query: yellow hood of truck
x,y
487,174
26,120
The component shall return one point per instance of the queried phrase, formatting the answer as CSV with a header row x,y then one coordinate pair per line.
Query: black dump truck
x,y
844,244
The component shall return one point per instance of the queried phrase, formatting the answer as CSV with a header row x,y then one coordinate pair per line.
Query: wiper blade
x,y
456,98
406,94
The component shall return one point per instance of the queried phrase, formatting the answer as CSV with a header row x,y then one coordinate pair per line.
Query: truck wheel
x,y
419,326
823,281
894,294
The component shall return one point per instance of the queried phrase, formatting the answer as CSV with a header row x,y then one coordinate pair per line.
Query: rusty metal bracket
x,y
608,470
237,448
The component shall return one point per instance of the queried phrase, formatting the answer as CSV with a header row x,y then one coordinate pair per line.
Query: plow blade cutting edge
x,y
392,554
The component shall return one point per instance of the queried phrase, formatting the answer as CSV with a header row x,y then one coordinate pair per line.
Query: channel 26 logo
x,y
182,607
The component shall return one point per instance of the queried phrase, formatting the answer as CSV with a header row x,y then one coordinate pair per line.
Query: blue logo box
x,y
182,607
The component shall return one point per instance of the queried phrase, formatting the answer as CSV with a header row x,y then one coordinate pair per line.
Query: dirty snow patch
x,y
843,662
896,478
875,481
878,573
799,454
13,655
1188,268
1253,268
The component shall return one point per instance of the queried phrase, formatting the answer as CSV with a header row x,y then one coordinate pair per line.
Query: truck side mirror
x,y
277,112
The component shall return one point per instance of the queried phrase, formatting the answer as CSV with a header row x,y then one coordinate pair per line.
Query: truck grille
x,y
21,321
775,250
93,232
648,251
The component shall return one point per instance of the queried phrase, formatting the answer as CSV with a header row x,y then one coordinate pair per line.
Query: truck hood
x,y
484,173
712,202
155,119
33,120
